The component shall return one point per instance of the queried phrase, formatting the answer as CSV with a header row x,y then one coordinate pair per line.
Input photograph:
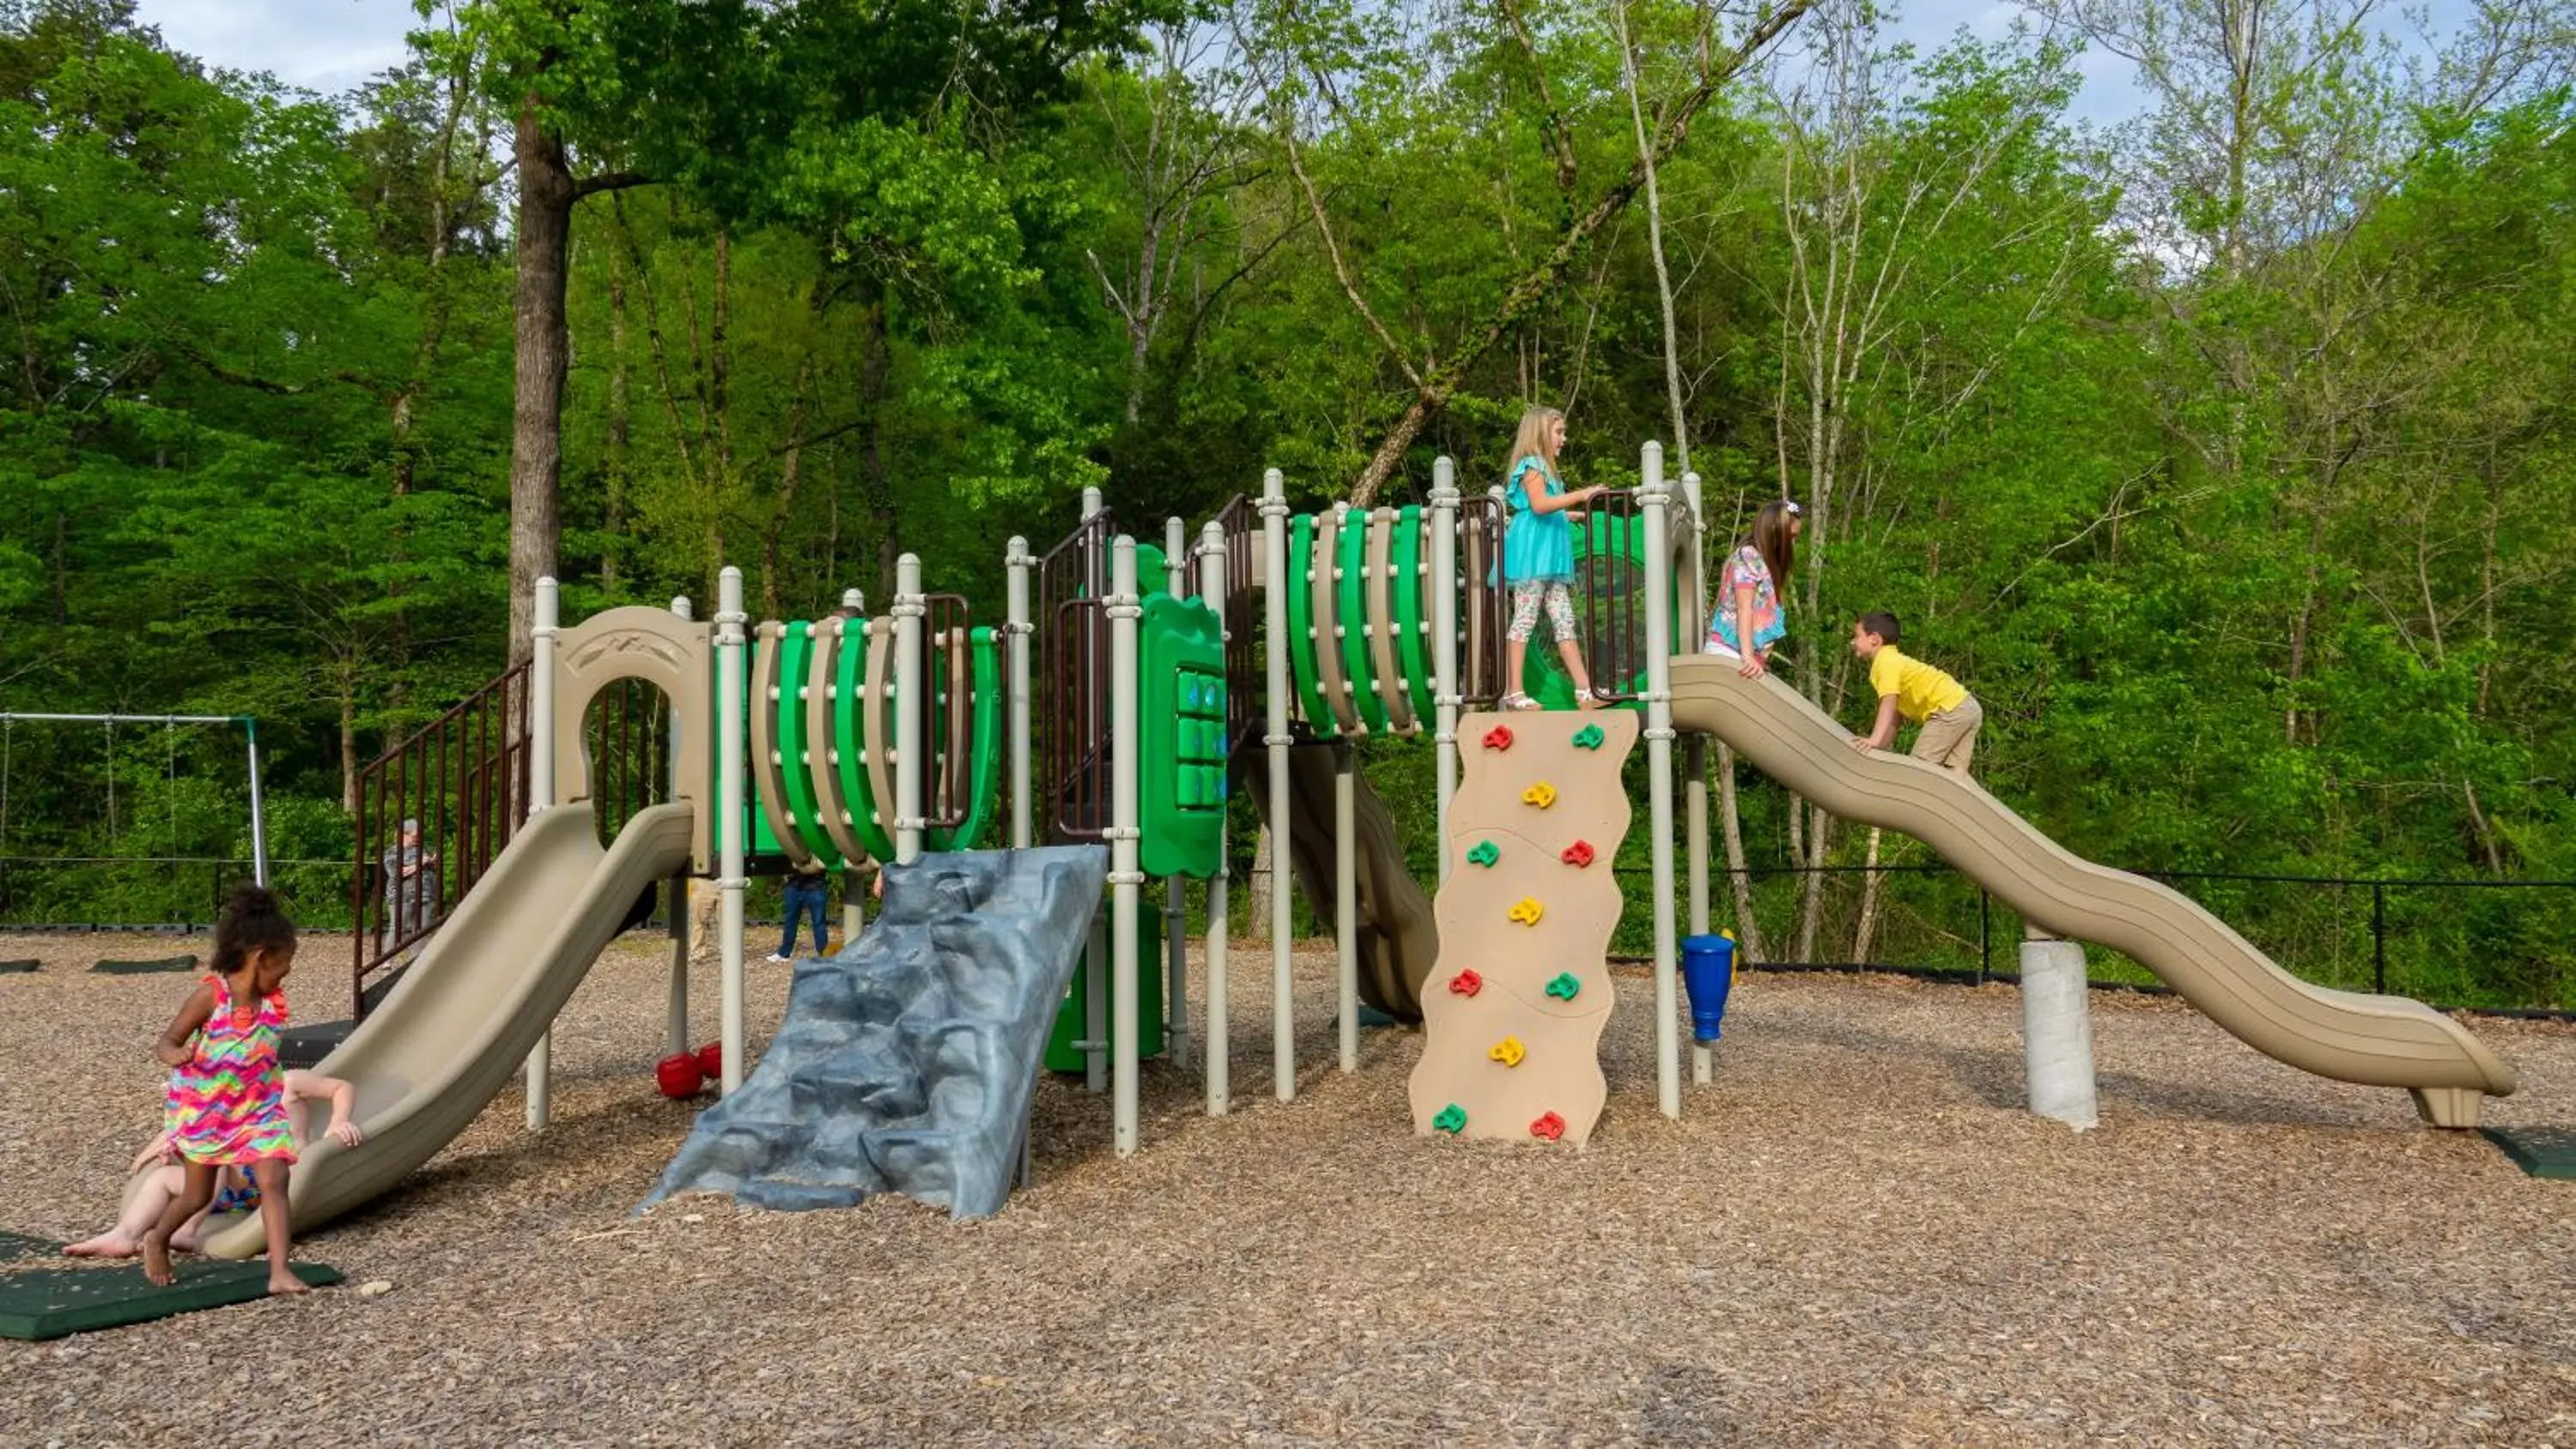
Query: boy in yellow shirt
x,y
1948,713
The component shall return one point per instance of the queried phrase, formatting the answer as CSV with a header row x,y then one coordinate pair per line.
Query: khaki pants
x,y
1949,738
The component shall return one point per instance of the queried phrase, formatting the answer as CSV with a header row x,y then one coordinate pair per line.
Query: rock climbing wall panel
x,y
1513,1013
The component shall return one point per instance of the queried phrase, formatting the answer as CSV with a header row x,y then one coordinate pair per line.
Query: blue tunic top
x,y
1537,547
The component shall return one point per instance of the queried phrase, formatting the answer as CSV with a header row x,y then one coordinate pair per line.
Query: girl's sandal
x,y
1516,700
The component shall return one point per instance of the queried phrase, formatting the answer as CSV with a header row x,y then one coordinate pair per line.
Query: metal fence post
x,y
2378,938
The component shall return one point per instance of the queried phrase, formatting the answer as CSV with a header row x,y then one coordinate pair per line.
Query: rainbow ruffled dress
x,y
228,1104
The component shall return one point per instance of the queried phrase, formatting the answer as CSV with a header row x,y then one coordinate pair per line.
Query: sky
x,y
332,45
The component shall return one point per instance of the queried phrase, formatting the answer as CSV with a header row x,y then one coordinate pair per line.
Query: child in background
x,y
1538,555
234,1191
1948,713
1748,590
227,1093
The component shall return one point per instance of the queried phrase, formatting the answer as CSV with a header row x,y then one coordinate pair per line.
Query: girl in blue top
x,y
1538,554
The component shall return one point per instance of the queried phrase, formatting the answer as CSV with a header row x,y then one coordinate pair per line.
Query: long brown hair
x,y
1771,540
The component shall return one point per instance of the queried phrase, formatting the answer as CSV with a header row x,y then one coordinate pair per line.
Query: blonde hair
x,y
1531,441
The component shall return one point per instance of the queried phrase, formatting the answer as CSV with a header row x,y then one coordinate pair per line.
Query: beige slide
x,y
463,1018
1398,937
2378,1041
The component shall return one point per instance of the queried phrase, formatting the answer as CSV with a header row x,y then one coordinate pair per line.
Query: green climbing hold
x,y
1485,853
1452,1119
1564,987
1588,738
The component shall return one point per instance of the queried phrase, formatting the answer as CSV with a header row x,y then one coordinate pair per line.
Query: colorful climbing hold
x,y
1508,1051
1466,983
1527,912
1485,852
1578,855
1563,986
1451,1119
1499,738
1541,795
1588,738
1550,1127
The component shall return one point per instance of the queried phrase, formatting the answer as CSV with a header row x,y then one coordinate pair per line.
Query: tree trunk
x,y
349,751
873,365
1868,904
546,196
1258,892
620,422
1748,929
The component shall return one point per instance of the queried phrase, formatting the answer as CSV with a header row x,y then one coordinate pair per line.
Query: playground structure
x,y
818,742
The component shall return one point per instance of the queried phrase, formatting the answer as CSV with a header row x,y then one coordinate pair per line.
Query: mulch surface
x,y
1856,1236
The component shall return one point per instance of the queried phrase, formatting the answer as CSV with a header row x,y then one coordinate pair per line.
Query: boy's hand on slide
x,y
1862,744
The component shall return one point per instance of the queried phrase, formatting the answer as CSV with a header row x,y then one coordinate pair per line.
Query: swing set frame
x,y
250,735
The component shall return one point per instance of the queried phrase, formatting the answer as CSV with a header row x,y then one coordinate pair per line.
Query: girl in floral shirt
x,y
1748,592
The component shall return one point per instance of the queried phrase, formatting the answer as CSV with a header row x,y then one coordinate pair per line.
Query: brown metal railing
x,y
628,735
1245,679
464,778
1484,606
1610,595
1071,672
946,722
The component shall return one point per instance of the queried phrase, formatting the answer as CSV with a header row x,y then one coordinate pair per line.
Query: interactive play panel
x,y
1513,1013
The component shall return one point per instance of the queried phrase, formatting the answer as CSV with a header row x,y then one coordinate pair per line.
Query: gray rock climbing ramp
x,y
905,1063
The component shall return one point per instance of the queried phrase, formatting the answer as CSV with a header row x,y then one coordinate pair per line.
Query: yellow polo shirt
x,y
1921,691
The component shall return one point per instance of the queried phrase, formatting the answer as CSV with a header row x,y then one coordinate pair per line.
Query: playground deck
x,y
1856,1238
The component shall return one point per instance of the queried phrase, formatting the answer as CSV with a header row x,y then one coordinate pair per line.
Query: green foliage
x,y
2244,498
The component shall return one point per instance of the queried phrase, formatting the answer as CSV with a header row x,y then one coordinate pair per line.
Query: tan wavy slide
x,y
2379,1041
427,1061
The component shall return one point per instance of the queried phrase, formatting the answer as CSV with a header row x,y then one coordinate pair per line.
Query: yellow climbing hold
x,y
1508,1051
1541,795
1528,911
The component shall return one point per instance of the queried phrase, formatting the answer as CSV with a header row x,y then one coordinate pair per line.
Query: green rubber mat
x,y
138,968
44,1295
16,968
2540,1151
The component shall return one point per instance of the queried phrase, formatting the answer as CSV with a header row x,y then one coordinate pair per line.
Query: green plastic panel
x,y
758,839
1061,1054
1350,601
1180,697
1411,634
795,666
1302,667
849,731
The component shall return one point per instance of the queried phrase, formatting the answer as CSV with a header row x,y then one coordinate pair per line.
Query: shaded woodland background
x,y
2225,454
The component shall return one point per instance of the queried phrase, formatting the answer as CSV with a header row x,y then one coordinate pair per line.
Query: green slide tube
x,y
1350,600
1301,628
1410,635
850,730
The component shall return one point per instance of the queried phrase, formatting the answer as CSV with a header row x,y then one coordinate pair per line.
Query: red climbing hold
x,y
1466,983
1579,854
1550,1127
1499,738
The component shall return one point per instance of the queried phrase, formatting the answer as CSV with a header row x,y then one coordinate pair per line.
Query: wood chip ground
x,y
1856,1237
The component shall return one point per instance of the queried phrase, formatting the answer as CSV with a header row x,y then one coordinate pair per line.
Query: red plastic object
x,y
678,1076
1499,738
1466,983
1551,1127
1579,854
711,1061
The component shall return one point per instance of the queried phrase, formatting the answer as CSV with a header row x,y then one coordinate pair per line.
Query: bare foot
x,y
105,1245
282,1281
156,1261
